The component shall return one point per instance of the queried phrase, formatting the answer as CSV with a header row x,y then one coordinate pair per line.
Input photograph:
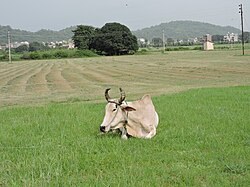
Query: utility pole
x,y
9,46
242,30
163,40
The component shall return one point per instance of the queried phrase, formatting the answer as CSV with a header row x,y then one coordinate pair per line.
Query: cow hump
x,y
146,99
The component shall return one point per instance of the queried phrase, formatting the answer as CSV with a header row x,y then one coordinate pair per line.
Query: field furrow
x,y
56,81
93,75
18,84
38,82
6,68
12,71
74,74
15,82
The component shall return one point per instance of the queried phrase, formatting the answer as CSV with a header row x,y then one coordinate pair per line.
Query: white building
x,y
231,37
208,46
142,42
207,38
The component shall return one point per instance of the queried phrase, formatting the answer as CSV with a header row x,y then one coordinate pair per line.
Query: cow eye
x,y
115,108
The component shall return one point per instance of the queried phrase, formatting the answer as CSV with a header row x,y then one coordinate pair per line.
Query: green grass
x,y
217,47
203,139
48,54
233,46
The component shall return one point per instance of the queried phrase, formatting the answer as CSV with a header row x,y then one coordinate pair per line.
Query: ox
x,y
138,118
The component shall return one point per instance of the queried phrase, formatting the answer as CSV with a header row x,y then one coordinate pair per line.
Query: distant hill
x,y
174,29
183,30
39,36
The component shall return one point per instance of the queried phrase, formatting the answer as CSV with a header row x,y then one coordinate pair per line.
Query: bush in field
x,y
3,55
178,49
184,48
223,47
35,55
61,54
26,56
58,53
47,55
142,52
197,48
85,53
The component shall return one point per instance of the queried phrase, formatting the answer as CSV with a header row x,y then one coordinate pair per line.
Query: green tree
x,y
157,42
36,46
246,37
170,41
114,39
218,38
21,49
83,36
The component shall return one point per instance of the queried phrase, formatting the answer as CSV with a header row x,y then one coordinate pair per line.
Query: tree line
x,y
111,39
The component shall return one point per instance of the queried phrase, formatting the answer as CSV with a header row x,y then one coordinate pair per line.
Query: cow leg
x,y
152,133
124,133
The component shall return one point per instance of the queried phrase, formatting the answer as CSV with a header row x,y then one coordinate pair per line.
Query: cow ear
x,y
128,108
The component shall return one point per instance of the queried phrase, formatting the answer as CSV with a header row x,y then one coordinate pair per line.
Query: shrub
x,y
131,52
222,47
169,49
85,53
3,57
197,48
47,55
58,53
35,55
183,48
26,56
61,54
142,52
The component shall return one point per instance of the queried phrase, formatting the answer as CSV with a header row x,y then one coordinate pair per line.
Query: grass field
x,y
50,112
203,140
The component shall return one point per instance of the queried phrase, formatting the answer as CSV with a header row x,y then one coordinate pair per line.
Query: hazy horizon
x,y
131,30
136,14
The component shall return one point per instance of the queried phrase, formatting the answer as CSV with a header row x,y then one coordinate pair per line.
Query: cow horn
x,y
123,96
107,94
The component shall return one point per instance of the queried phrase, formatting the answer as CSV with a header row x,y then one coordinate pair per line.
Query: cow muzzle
x,y
102,129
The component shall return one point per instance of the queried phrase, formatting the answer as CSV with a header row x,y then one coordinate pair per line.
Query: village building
x,y
207,44
231,38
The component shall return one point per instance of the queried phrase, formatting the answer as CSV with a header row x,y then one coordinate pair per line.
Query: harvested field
x,y
31,82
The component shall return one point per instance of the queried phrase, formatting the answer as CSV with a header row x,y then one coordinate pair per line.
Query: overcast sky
x,y
33,15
